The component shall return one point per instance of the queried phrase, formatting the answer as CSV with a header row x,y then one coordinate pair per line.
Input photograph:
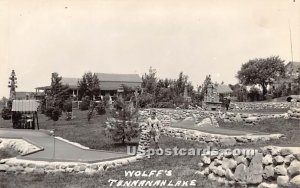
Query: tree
x,y
89,86
206,82
149,81
261,71
57,96
124,126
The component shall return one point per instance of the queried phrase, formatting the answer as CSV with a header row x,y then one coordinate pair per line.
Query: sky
x,y
204,37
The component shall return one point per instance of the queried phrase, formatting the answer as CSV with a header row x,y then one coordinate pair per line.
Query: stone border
x,y
271,167
218,139
15,165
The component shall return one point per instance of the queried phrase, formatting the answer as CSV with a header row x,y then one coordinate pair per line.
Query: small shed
x,y
24,114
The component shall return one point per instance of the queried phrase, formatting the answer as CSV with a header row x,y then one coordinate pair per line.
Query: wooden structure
x,y
24,114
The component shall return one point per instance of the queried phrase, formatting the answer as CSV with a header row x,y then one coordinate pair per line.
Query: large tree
x,y
149,81
89,86
261,71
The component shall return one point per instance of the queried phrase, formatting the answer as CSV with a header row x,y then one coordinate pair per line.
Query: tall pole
x,y
12,84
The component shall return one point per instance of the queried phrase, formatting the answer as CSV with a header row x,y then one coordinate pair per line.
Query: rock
x,y
251,119
278,160
285,152
294,168
229,163
39,171
212,177
255,170
31,165
240,173
206,122
283,181
295,182
267,185
220,171
206,160
229,175
280,170
297,155
241,160
3,167
69,170
288,159
82,168
267,159
268,172
227,142
28,170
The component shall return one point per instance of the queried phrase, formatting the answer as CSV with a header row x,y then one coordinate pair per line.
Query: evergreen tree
x,y
124,126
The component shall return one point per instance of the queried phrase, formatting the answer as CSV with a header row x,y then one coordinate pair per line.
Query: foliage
x,y
85,103
206,82
254,94
124,126
145,100
57,96
261,71
6,113
91,110
89,86
240,92
101,108
149,81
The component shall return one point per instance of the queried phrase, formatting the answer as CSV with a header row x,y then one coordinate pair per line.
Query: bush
x,y
164,105
85,104
145,100
6,113
67,106
101,108
53,113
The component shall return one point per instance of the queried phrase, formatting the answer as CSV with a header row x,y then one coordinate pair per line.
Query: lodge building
x,y
110,84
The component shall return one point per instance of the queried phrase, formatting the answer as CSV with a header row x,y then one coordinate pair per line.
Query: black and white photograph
x,y
149,93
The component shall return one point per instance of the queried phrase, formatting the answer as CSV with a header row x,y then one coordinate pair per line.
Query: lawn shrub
x,y
85,104
101,108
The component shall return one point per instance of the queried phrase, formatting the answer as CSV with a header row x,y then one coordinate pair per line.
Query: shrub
x,y
67,106
101,108
145,100
85,104
53,113
164,105
6,113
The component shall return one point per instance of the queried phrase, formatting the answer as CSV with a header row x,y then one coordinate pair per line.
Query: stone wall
x,y
217,139
294,113
243,106
270,167
169,116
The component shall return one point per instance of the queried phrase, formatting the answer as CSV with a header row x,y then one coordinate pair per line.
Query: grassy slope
x,y
91,135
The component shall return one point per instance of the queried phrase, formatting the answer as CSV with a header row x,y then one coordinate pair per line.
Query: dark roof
x,y
109,86
107,81
106,77
224,89
72,82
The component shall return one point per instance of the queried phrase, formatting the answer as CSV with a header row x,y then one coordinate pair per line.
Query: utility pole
x,y
12,84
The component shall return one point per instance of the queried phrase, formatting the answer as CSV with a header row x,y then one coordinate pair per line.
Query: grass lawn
x,y
91,135
289,127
